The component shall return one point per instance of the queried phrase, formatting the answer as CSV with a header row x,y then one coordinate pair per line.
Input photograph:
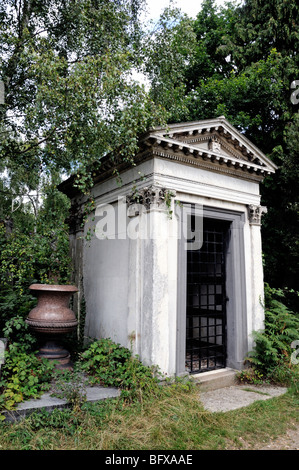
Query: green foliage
x,y
70,96
13,307
261,25
186,384
210,58
23,376
251,376
168,50
67,421
104,361
71,386
249,99
280,194
110,364
272,352
16,331
41,256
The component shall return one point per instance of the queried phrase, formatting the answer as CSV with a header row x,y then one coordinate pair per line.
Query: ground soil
x,y
288,441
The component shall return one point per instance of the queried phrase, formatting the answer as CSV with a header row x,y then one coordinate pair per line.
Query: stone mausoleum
x,y
173,268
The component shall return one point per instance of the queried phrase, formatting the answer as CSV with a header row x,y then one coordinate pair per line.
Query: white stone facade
x,y
133,267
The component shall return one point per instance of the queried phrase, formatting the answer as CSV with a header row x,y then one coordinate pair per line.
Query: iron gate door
x,y
206,300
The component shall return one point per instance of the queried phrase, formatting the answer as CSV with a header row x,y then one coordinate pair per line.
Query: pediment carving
x,y
216,143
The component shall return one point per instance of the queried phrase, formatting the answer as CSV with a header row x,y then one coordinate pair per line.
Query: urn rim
x,y
54,287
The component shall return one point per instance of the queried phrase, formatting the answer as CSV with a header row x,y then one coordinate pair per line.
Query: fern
x,y
273,344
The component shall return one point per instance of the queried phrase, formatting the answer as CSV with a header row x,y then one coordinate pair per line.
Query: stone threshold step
x,y
49,403
216,379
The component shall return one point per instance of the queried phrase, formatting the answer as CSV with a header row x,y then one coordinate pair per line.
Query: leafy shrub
x,y
251,376
23,376
70,385
271,355
17,332
14,303
111,364
104,362
34,257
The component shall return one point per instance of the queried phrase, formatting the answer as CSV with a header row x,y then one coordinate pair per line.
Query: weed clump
x,y
272,358
112,365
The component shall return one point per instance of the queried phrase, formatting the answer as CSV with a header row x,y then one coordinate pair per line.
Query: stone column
x,y
157,252
257,278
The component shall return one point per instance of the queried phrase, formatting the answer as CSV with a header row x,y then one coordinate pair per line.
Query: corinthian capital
x,y
255,214
151,197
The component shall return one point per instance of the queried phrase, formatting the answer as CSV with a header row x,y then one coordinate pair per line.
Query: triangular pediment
x,y
215,141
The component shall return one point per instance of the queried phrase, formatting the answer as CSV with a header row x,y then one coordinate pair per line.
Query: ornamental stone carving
x,y
255,214
214,144
151,197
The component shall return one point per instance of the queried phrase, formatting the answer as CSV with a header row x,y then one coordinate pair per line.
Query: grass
x,y
174,421
255,391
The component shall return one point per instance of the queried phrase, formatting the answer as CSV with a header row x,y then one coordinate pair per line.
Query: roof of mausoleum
x,y
212,144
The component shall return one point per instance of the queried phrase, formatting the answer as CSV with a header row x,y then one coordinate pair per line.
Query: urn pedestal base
x,y
53,350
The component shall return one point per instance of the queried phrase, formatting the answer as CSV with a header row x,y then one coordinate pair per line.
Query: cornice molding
x,y
237,170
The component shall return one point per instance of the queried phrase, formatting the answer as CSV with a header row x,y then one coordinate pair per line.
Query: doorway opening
x,y
206,299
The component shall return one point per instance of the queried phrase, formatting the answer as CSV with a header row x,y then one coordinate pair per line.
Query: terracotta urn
x,y
51,320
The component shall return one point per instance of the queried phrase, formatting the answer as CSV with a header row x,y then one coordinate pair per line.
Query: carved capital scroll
x,y
151,197
255,214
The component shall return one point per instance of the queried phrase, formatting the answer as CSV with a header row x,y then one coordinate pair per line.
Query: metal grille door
x,y
206,300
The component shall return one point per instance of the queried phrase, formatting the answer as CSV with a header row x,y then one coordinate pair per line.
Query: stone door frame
x,y
237,335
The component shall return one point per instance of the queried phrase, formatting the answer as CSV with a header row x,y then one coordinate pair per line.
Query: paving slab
x,y
238,396
49,403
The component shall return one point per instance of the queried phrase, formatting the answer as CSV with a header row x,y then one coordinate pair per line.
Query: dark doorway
x,y
206,300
